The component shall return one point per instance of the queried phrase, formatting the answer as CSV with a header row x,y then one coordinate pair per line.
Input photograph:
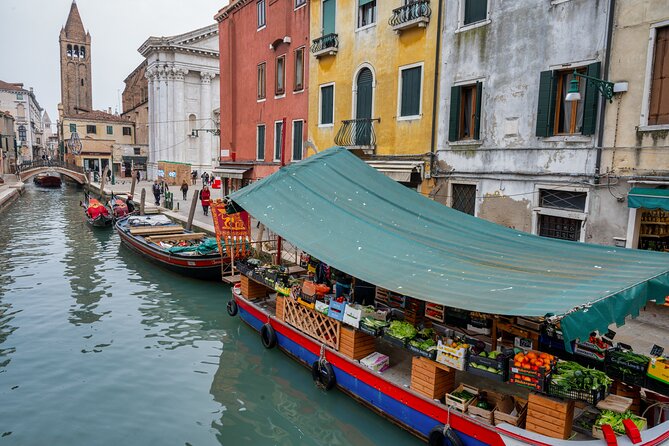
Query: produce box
x,y
573,381
376,361
549,416
398,342
526,373
336,310
615,420
307,301
584,423
372,327
456,317
626,366
419,347
353,313
484,406
462,397
452,356
658,370
322,307
511,410
399,333
493,365
589,396
434,311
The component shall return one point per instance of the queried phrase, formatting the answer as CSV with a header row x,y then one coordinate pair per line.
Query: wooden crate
x,y
431,379
280,306
492,398
505,408
634,392
549,416
355,344
459,403
311,322
252,290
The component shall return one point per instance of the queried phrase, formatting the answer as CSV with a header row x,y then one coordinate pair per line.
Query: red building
x,y
264,51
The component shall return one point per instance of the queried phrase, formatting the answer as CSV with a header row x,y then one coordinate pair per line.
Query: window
x,y
39,141
555,116
658,113
280,76
82,52
110,130
261,13
69,51
366,12
82,82
260,143
127,131
464,198
278,128
559,227
22,133
327,105
299,3
299,69
298,127
465,117
475,11
19,96
562,199
91,129
137,151
410,91
192,120
261,80
561,213
73,128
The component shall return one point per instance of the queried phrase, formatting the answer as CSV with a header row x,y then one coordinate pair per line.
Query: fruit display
x,y
453,353
571,380
530,369
493,365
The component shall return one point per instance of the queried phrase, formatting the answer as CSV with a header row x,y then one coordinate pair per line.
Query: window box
x,y
412,14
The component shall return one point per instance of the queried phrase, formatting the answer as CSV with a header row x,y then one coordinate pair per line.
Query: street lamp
x,y
604,87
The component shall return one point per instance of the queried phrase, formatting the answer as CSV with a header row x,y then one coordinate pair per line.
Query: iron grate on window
x,y
464,198
559,227
562,199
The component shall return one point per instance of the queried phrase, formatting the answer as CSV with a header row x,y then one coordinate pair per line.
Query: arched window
x,y
82,52
22,133
82,82
363,106
76,51
69,51
192,125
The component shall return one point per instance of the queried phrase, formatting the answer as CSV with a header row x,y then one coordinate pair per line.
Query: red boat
x,y
48,180
96,213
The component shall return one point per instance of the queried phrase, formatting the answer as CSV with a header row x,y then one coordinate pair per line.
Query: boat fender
x,y
268,336
323,375
439,436
232,308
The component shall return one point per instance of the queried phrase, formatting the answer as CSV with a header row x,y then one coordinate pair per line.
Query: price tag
x,y
656,351
624,346
610,334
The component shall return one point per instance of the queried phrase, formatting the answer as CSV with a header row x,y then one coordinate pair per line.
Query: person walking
x,y
138,176
156,192
184,189
205,196
194,177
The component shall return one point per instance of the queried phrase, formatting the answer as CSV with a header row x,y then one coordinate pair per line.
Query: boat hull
x,y
207,267
101,221
49,181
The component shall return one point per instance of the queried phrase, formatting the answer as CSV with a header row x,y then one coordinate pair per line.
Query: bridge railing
x,y
48,163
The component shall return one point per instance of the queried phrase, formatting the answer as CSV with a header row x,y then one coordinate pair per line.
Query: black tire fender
x,y
323,375
268,336
437,437
232,308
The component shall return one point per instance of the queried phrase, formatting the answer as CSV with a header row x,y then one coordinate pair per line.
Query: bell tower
x,y
75,65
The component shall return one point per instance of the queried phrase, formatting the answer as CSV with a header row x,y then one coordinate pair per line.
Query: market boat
x,y
97,214
426,270
159,240
47,180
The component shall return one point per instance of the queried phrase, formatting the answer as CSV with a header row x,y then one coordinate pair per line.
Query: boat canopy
x,y
347,214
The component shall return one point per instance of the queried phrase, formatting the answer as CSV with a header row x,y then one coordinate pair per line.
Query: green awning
x,y
337,208
648,198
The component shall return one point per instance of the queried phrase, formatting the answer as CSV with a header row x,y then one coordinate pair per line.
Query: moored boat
x,y
159,240
97,214
48,180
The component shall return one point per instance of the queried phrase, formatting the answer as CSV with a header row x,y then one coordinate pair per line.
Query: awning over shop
x,y
337,208
397,170
135,159
640,197
231,172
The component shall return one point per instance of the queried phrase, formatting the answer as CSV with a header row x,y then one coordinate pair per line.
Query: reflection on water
x,y
98,346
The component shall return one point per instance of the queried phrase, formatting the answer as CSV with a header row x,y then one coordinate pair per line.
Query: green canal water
x,y
99,347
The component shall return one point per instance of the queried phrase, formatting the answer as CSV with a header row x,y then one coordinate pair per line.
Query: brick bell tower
x,y
75,65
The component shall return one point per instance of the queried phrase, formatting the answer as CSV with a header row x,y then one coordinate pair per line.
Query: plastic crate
x,y
592,396
530,379
336,310
420,352
501,364
395,341
500,377
630,373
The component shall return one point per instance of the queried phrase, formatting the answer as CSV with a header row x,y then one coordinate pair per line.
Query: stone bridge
x,y
29,170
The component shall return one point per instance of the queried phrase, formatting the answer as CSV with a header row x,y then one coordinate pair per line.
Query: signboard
x,y
172,174
233,229
161,173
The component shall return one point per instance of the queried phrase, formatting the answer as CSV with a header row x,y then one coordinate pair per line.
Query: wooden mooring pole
x,y
191,213
142,202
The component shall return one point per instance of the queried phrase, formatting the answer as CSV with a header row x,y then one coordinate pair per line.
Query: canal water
x,y
99,347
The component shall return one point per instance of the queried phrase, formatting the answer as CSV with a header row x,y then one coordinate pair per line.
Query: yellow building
x,y
372,82
99,136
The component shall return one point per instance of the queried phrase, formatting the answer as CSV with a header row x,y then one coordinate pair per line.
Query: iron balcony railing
x,y
324,43
27,165
410,12
357,133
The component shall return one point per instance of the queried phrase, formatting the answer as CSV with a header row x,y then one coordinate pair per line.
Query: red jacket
x,y
205,195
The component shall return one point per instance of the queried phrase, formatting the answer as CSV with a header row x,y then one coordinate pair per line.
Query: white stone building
x,y
25,109
183,74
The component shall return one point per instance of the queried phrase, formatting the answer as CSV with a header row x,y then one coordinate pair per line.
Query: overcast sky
x,y
29,47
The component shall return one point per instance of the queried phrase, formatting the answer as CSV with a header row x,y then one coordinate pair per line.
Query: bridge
x,y
28,170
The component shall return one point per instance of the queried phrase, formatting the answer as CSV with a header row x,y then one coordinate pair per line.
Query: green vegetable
x,y
570,375
373,323
402,330
424,344
483,405
462,395
615,420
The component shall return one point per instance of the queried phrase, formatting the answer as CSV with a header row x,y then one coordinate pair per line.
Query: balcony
x,y
414,14
326,45
357,134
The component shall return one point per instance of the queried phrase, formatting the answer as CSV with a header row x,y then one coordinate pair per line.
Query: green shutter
x,y
327,105
454,118
546,104
110,130
278,128
591,101
364,2
475,11
410,95
329,14
261,142
477,124
297,140
73,128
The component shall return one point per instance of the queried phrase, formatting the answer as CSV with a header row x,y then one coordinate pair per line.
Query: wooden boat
x,y
119,207
155,238
48,180
97,214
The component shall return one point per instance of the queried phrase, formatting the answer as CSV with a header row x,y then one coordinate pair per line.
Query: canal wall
x,y
10,192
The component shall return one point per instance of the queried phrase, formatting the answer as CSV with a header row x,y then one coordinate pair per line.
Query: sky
x,y
29,31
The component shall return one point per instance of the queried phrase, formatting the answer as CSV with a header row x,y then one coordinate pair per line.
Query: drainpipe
x,y
600,131
437,54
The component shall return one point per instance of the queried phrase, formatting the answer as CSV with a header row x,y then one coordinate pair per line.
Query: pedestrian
x,y
138,176
156,192
184,189
205,195
194,177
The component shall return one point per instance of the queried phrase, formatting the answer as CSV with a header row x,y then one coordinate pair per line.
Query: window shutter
x,y
546,105
327,105
591,101
477,124
659,87
261,142
410,95
475,11
364,2
297,140
454,118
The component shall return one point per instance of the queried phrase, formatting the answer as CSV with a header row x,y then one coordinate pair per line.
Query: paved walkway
x,y
9,190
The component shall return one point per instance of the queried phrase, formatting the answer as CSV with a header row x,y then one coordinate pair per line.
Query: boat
x,y
119,207
51,180
158,239
96,213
